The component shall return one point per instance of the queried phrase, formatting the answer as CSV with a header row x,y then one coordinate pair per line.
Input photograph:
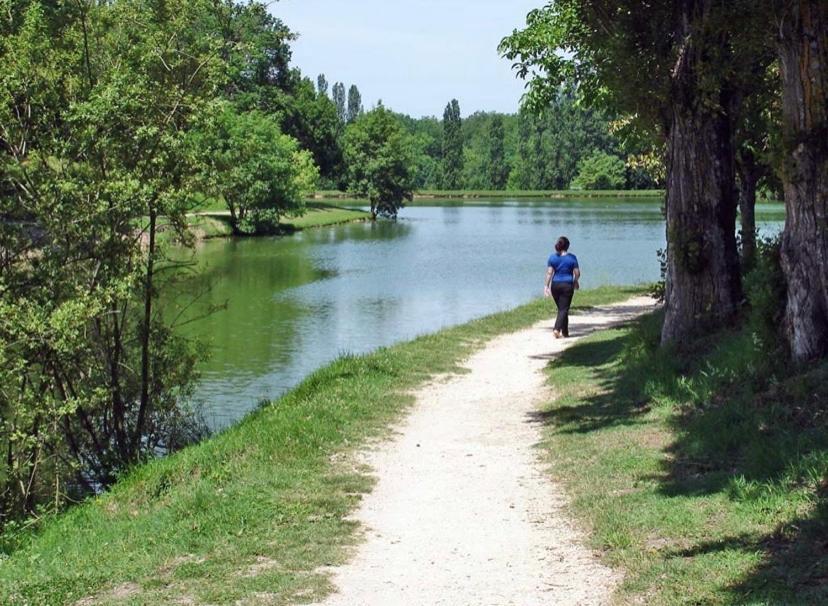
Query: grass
x,y
493,193
319,214
704,476
213,220
249,515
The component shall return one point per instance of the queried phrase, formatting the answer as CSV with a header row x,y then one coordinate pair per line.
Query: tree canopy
x,y
378,155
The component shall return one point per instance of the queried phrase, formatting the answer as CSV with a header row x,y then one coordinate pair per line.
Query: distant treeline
x,y
565,147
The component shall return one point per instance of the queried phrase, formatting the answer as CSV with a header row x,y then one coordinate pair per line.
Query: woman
x,y
562,275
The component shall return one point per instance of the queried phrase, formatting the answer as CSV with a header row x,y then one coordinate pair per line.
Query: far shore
x,y
437,194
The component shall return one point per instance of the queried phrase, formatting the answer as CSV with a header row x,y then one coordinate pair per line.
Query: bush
x,y
600,171
765,289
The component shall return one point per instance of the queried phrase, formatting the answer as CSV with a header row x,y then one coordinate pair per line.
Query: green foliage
x,y
600,171
378,154
96,108
355,109
338,95
311,118
765,288
498,170
259,172
452,146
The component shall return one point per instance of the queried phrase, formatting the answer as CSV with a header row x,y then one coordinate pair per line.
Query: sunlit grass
x,y
252,513
706,485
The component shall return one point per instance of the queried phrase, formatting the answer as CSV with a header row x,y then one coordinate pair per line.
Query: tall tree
x,y
259,172
354,104
803,57
339,101
452,146
498,169
94,116
322,84
380,162
682,84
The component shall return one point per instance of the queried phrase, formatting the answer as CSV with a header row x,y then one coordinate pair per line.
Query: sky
x,y
415,56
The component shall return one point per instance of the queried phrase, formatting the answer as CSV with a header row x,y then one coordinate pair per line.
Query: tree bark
x,y
703,285
803,54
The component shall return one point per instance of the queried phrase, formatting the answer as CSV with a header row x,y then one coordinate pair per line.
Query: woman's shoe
x,y
557,333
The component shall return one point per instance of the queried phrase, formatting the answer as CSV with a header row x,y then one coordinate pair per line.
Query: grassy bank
x,y
249,515
215,222
704,477
494,193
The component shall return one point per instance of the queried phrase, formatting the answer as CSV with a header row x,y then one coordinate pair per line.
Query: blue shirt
x,y
564,266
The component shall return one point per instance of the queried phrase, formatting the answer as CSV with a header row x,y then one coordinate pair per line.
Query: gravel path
x,y
463,513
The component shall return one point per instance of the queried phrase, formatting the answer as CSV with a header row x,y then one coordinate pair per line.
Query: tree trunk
x,y
748,177
803,54
144,402
703,283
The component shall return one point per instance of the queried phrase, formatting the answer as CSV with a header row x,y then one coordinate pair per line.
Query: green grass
x,y
319,214
249,515
703,476
493,193
213,220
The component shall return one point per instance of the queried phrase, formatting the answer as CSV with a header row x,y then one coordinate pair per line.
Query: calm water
x,y
295,303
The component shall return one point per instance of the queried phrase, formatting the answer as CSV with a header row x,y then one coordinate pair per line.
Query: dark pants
x,y
562,292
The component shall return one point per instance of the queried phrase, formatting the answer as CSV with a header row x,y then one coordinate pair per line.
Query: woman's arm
x,y
576,273
547,284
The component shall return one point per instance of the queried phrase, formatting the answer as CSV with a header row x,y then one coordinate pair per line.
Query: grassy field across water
x,y
250,515
214,220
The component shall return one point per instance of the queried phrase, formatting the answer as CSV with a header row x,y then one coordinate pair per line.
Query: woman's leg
x,y
564,301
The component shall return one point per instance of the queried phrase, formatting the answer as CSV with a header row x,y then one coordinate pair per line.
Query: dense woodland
x,y
117,119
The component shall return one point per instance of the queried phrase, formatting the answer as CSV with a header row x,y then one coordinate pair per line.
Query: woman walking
x,y
562,275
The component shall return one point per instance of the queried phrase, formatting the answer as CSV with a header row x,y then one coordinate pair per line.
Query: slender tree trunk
x,y
703,282
145,337
748,177
803,54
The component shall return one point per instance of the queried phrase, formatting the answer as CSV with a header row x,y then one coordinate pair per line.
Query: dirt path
x,y
463,513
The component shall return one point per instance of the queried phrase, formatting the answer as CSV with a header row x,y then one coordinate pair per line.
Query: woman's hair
x,y
562,244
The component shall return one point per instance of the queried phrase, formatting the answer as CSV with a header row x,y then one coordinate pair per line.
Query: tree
x,y
680,74
498,169
379,160
311,118
803,58
355,109
339,101
95,113
600,171
452,146
322,84
256,53
260,173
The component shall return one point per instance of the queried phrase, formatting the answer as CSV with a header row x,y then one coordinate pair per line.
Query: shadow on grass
x,y
759,441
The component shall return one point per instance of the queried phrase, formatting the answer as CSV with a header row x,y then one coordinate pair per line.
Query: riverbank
x,y
698,477
215,222
253,513
444,194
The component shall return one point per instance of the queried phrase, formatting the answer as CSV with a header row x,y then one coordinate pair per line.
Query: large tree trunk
x,y
703,282
803,53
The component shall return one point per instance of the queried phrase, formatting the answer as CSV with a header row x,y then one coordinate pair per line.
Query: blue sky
x,y
415,55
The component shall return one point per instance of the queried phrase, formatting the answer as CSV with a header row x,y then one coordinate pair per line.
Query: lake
x,y
295,303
